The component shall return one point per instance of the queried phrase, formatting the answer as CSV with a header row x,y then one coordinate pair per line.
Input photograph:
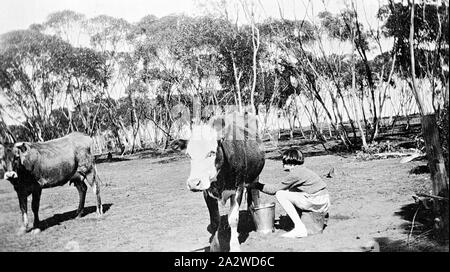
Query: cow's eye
x,y
210,154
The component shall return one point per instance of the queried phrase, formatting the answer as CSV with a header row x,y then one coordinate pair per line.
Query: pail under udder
x,y
264,217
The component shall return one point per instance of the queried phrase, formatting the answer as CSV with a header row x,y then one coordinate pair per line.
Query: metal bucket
x,y
264,217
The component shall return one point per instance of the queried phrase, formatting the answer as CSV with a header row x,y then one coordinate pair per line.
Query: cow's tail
x,y
96,181
96,189
96,177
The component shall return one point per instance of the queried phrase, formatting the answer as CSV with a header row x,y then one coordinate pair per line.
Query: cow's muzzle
x,y
10,175
196,185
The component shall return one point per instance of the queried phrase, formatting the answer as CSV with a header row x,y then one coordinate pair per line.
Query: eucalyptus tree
x,y
108,36
431,43
229,49
85,77
303,72
66,24
343,28
6,136
32,66
155,45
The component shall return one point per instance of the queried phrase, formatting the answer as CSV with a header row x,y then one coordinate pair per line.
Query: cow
x,y
225,155
31,167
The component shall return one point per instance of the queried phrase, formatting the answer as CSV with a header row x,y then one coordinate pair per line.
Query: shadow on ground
x,y
424,244
419,227
245,226
59,218
422,217
284,222
110,160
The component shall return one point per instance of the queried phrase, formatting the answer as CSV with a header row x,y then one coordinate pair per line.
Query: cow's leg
x,y
253,197
23,209
82,188
35,207
96,188
214,215
233,219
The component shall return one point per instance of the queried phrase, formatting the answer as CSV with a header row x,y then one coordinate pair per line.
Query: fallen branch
x,y
391,154
432,196
415,156
412,225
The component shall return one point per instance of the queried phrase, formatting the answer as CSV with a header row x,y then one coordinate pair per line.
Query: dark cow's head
x,y
206,154
11,157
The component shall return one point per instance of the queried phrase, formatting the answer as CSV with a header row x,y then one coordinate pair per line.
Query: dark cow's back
x,y
34,166
54,162
242,148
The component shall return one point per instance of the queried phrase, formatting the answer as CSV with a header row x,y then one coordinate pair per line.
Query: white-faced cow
x,y
226,155
31,167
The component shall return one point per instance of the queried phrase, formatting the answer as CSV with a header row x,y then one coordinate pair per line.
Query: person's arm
x,y
269,189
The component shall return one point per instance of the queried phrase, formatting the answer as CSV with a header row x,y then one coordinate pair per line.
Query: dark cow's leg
x,y
253,197
233,219
214,215
82,188
23,209
35,207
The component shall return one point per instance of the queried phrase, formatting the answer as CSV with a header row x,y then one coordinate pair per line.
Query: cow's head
x,y
11,157
203,148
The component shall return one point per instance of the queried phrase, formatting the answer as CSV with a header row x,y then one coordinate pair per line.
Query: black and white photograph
x,y
201,126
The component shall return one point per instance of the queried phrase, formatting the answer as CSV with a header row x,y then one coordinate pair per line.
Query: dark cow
x,y
226,155
31,167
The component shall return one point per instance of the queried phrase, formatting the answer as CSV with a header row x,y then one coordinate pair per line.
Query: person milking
x,y
301,188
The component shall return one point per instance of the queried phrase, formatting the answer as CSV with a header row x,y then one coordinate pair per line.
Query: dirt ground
x,y
148,208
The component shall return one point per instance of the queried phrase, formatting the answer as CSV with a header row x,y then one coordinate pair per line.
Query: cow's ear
x,y
23,147
179,144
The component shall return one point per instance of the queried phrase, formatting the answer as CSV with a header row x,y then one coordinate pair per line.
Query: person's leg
x,y
287,200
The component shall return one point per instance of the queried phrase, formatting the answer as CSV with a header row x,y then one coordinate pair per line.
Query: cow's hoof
x,y
36,231
99,211
22,231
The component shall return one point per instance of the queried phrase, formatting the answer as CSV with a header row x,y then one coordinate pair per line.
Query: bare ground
x,y
148,208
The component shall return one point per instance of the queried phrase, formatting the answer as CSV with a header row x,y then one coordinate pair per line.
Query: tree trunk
x,y
355,104
255,42
237,78
439,175
436,163
383,99
134,120
419,101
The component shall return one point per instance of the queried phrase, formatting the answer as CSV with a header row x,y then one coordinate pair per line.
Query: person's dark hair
x,y
293,156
